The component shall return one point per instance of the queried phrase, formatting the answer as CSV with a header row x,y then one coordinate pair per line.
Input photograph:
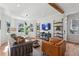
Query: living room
x,y
39,29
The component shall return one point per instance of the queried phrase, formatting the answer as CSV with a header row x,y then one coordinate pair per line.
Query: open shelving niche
x,y
37,30
58,28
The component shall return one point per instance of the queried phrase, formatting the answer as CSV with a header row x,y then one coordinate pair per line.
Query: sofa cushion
x,y
59,43
55,40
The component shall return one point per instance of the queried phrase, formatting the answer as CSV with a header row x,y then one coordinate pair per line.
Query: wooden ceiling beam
x,y
54,5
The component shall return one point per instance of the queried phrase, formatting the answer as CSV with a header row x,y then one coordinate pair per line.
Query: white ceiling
x,y
37,10
69,8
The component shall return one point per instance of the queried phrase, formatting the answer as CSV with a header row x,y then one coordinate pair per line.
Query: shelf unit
x,y
58,28
38,30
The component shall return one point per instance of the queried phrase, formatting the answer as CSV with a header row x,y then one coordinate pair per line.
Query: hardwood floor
x,y
37,51
2,50
71,50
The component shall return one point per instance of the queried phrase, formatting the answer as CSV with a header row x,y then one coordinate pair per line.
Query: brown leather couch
x,y
54,47
23,49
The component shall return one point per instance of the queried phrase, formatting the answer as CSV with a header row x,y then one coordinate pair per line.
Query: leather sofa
x,y
24,49
54,47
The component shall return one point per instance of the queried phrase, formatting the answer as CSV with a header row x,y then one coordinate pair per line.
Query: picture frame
x,y
74,26
8,27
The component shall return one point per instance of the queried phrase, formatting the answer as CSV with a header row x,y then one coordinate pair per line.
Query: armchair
x,y
54,47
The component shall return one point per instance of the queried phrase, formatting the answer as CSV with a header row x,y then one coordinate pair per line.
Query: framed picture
x,y
31,27
21,28
74,27
8,27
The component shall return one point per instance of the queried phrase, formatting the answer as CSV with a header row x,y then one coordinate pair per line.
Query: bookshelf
x,y
58,28
38,30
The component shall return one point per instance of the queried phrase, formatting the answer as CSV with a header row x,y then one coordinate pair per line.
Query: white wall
x,y
2,25
0,35
4,36
65,28
72,37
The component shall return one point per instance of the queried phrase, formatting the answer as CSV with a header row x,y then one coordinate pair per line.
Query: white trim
x,y
70,13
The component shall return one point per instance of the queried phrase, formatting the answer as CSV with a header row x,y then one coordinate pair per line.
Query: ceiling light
x,y
26,14
18,5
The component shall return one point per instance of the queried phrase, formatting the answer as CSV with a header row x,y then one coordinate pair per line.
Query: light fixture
x,y
26,14
18,5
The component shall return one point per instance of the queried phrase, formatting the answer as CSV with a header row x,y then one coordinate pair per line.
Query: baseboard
x,y
73,42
